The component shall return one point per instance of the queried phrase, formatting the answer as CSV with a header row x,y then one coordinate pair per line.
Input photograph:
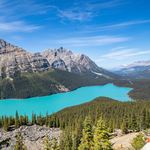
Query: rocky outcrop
x,y
62,88
13,56
33,136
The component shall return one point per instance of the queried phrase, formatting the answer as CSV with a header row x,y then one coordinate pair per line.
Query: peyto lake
x,y
59,101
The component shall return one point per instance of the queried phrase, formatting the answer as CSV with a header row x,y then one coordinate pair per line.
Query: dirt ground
x,y
123,142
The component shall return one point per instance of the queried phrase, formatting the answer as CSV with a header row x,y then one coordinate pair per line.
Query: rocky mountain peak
x,y
4,44
62,50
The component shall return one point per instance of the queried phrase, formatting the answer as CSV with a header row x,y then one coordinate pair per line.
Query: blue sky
x,y
110,32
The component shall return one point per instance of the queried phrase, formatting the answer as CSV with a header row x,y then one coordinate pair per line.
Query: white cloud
x,y
127,23
123,54
89,41
118,54
89,29
117,48
85,10
17,26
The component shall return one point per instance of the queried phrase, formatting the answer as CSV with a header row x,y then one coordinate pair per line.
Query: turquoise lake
x,y
59,101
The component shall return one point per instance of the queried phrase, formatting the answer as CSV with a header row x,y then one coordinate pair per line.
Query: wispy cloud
x,y
89,29
17,26
89,41
85,10
117,48
126,23
18,9
12,13
123,54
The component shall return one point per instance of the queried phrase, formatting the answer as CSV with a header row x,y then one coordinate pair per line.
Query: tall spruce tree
x,y
133,120
101,138
6,125
19,143
68,138
46,121
2,121
97,115
87,139
47,143
54,144
61,141
33,118
17,123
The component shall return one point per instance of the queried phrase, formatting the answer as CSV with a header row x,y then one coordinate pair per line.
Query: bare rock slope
x,y
33,136
13,56
81,64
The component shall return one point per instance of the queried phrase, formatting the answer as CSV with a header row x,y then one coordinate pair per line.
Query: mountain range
x,y
14,58
139,69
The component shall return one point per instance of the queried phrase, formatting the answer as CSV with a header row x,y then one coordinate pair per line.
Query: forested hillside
x,y
29,84
115,112
140,87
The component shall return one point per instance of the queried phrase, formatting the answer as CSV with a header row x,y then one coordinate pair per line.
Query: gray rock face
x,y
12,56
4,44
64,59
33,136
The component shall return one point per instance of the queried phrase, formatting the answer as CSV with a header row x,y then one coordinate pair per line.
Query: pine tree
x,y
39,120
61,141
129,122
47,143
97,115
2,121
87,139
74,142
143,119
111,124
68,138
21,120
54,120
133,120
147,122
46,122
17,124
6,125
54,144
11,120
33,118
124,127
77,135
19,143
50,123
101,138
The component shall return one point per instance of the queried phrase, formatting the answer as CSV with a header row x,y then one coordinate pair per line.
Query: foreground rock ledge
x,y
33,136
